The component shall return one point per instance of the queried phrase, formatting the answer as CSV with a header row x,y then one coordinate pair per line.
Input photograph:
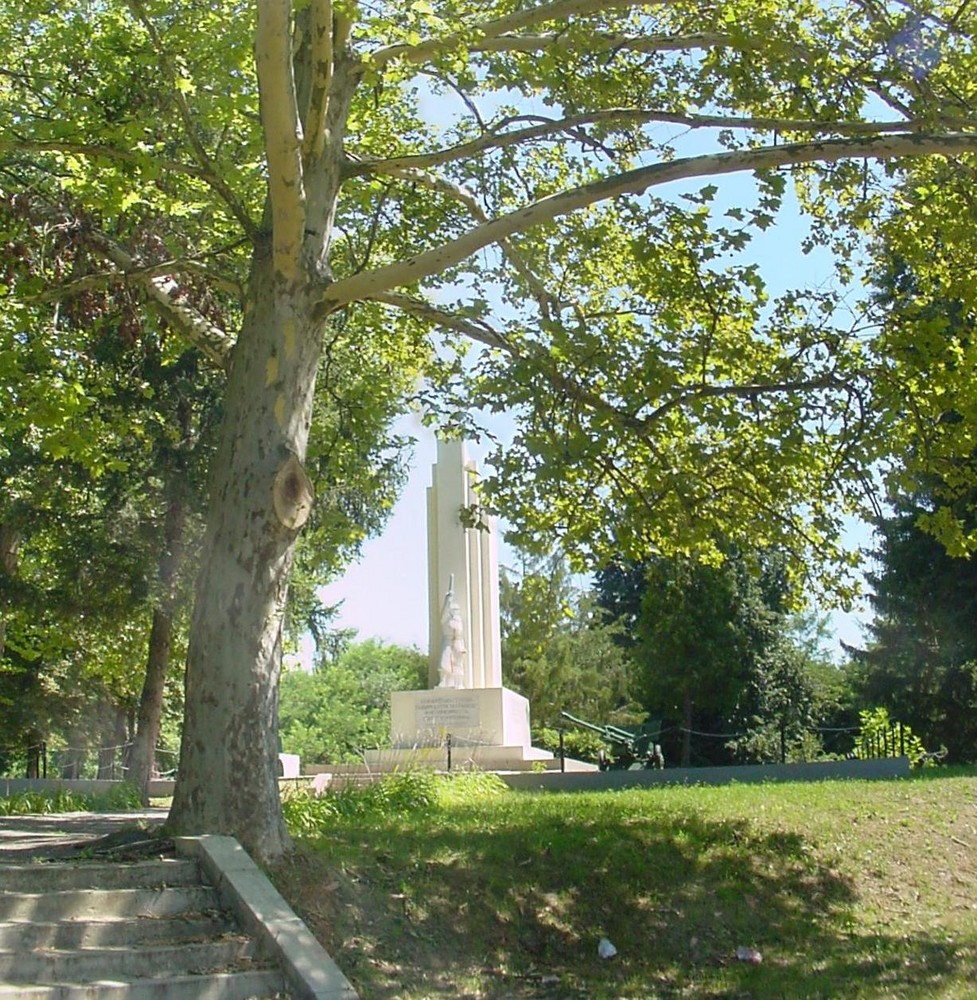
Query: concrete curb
x,y
310,972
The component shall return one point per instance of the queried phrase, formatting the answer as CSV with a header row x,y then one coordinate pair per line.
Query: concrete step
x,y
90,964
95,904
254,985
98,875
113,933
129,930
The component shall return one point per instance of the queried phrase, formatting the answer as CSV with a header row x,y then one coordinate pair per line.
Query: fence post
x,y
447,743
43,758
783,742
902,741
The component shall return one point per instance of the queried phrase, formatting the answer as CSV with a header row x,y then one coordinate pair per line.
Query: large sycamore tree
x,y
283,183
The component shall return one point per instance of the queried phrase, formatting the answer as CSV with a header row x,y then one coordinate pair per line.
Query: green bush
x,y
402,793
581,744
307,814
469,787
120,798
332,715
877,729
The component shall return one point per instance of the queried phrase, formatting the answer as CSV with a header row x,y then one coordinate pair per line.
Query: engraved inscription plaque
x,y
461,710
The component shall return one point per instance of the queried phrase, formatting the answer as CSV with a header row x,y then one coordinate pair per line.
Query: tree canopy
x,y
333,714
286,184
920,659
557,650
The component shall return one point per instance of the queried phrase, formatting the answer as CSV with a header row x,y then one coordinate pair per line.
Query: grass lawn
x,y
846,889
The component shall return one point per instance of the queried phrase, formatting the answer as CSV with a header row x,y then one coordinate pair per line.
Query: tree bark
x,y
33,748
9,544
71,761
227,782
260,494
142,760
686,760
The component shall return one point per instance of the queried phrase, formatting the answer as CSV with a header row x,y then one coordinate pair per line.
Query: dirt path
x,y
59,835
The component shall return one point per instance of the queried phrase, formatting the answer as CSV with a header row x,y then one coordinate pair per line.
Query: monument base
x,y
463,758
488,729
477,717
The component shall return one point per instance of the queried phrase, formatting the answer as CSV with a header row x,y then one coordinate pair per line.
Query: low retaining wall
x,y
831,770
159,788
83,786
555,781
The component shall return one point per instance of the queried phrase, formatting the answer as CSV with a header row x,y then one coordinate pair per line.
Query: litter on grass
x,y
750,955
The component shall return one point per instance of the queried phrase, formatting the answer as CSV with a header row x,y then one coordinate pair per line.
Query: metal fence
x,y
49,760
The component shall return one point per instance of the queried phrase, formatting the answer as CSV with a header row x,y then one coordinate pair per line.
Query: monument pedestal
x,y
472,717
488,727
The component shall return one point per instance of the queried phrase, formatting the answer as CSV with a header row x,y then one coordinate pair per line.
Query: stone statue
x,y
452,665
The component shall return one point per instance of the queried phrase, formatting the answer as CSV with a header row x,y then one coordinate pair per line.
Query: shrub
x,y
120,798
880,734
401,793
581,744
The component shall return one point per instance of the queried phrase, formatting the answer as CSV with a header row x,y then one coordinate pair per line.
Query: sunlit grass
x,y
847,889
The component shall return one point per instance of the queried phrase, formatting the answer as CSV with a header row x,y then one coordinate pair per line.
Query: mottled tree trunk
x,y
71,761
260,495
9,544
686,760
227,782
142,759
112,738
34,747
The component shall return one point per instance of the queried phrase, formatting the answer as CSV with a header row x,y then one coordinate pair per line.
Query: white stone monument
x,y
463,562
487,723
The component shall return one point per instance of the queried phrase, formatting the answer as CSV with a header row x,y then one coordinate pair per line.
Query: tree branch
x,y
165,291
484,334
162,288
320,33
462,195
139,276
101,151
495,139
603,40
752,390
636,182
475,330
283,133
210,173
642,427
547,127
518,20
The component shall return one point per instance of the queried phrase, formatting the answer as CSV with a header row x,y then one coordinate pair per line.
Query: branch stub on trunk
x,y
292,494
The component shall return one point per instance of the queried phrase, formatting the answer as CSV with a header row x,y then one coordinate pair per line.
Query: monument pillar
x,y
463,559
488,725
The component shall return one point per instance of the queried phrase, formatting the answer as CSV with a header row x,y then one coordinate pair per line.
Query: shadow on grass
x,y
922,967
478,901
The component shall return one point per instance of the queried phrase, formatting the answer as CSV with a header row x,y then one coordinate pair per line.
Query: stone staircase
x,y
113,930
